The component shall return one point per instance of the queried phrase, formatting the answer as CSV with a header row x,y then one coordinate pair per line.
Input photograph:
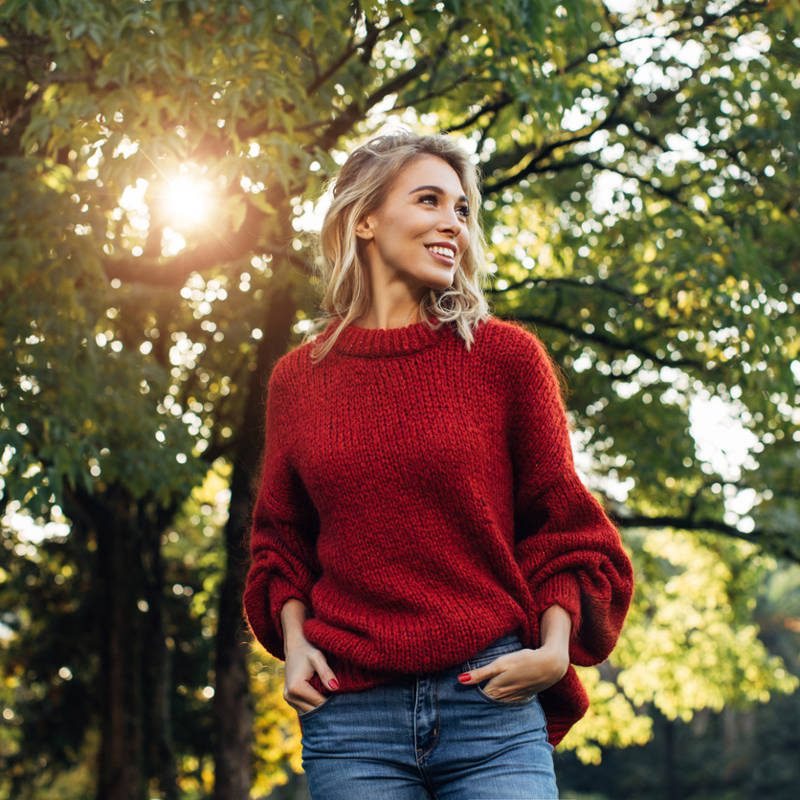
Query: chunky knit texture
x,y
422,501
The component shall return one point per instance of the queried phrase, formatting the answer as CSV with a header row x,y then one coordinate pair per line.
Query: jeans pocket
x,y
505,644
312,711
501,701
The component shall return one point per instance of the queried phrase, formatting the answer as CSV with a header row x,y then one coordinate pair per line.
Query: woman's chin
x,y
440,281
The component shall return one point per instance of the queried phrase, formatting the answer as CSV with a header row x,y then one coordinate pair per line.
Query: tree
x,y
679,279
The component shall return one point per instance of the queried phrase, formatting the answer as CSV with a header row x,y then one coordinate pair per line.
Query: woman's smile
x,y
445,254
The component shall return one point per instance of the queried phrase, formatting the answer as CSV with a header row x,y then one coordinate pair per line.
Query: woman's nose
x,y
449,221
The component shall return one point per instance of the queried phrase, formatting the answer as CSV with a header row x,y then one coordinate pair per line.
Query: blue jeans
x,y
429,737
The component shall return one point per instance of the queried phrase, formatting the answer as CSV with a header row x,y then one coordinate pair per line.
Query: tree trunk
x,y
120,769
157,671
233,707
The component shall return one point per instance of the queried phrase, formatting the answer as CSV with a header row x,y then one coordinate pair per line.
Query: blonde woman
x,y
425,558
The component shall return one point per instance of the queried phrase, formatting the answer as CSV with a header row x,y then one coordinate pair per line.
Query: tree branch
x,y
345,121
174,271
610,343
538,154
529,283
491,107
778,543
366,45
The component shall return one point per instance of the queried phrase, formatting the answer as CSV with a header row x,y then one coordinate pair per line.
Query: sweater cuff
x,y
562,589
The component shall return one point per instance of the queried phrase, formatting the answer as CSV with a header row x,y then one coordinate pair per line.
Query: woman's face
x,y
419,233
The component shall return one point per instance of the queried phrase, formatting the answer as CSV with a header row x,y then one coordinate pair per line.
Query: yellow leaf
x,y
238,210
559,56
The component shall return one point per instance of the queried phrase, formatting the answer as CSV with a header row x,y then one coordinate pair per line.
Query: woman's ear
x,y
364,228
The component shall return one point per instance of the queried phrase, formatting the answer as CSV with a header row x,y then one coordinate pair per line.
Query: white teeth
x,y
443,251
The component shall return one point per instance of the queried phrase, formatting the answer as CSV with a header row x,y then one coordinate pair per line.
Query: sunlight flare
x,y
187,201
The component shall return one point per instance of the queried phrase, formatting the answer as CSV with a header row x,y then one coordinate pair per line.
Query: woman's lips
x,y
448,262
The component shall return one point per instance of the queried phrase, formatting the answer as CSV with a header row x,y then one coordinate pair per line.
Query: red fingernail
x,y
464,677
333,683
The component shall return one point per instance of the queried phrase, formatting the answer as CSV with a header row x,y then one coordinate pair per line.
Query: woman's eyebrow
x,y
437,189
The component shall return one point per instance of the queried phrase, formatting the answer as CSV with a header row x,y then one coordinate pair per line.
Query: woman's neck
x,y
388,319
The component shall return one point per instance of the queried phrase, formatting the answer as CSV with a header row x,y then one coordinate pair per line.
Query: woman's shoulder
x,y
511,342
526,360
289,367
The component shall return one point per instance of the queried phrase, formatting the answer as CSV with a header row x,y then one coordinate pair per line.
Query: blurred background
x,y
162,174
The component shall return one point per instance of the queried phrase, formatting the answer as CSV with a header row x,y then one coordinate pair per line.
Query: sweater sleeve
x,y
569,551
283,561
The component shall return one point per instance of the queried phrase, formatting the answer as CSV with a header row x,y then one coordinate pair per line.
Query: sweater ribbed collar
x,y
380,342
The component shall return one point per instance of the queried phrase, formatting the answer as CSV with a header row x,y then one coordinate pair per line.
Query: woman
x,y
424,556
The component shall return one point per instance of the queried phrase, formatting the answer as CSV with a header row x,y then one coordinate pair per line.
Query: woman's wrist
x,y
293,615
556,627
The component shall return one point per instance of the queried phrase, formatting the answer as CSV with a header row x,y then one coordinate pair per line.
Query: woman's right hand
x,y
302,661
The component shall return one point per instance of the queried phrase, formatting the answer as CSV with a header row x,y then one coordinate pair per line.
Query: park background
x,y
162,173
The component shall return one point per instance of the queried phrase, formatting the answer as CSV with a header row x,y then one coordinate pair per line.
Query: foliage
x,y
739,751
641,199
690,642
48,651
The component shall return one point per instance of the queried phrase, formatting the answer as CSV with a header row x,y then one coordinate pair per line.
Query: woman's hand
x,y
302,661
518,675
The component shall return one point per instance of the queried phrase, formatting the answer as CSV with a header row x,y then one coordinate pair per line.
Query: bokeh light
x,y
187,199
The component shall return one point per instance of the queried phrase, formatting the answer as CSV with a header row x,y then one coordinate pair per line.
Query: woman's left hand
x,y
518,675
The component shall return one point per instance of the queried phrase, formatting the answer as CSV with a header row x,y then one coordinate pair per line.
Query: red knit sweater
x,y
422,501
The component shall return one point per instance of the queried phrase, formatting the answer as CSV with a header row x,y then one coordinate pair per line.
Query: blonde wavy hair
x,y
360,187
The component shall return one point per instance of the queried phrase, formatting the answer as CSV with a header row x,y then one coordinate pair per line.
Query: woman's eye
x,y
462,211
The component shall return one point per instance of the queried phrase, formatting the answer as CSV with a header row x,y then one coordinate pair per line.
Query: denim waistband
x,y
504,644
